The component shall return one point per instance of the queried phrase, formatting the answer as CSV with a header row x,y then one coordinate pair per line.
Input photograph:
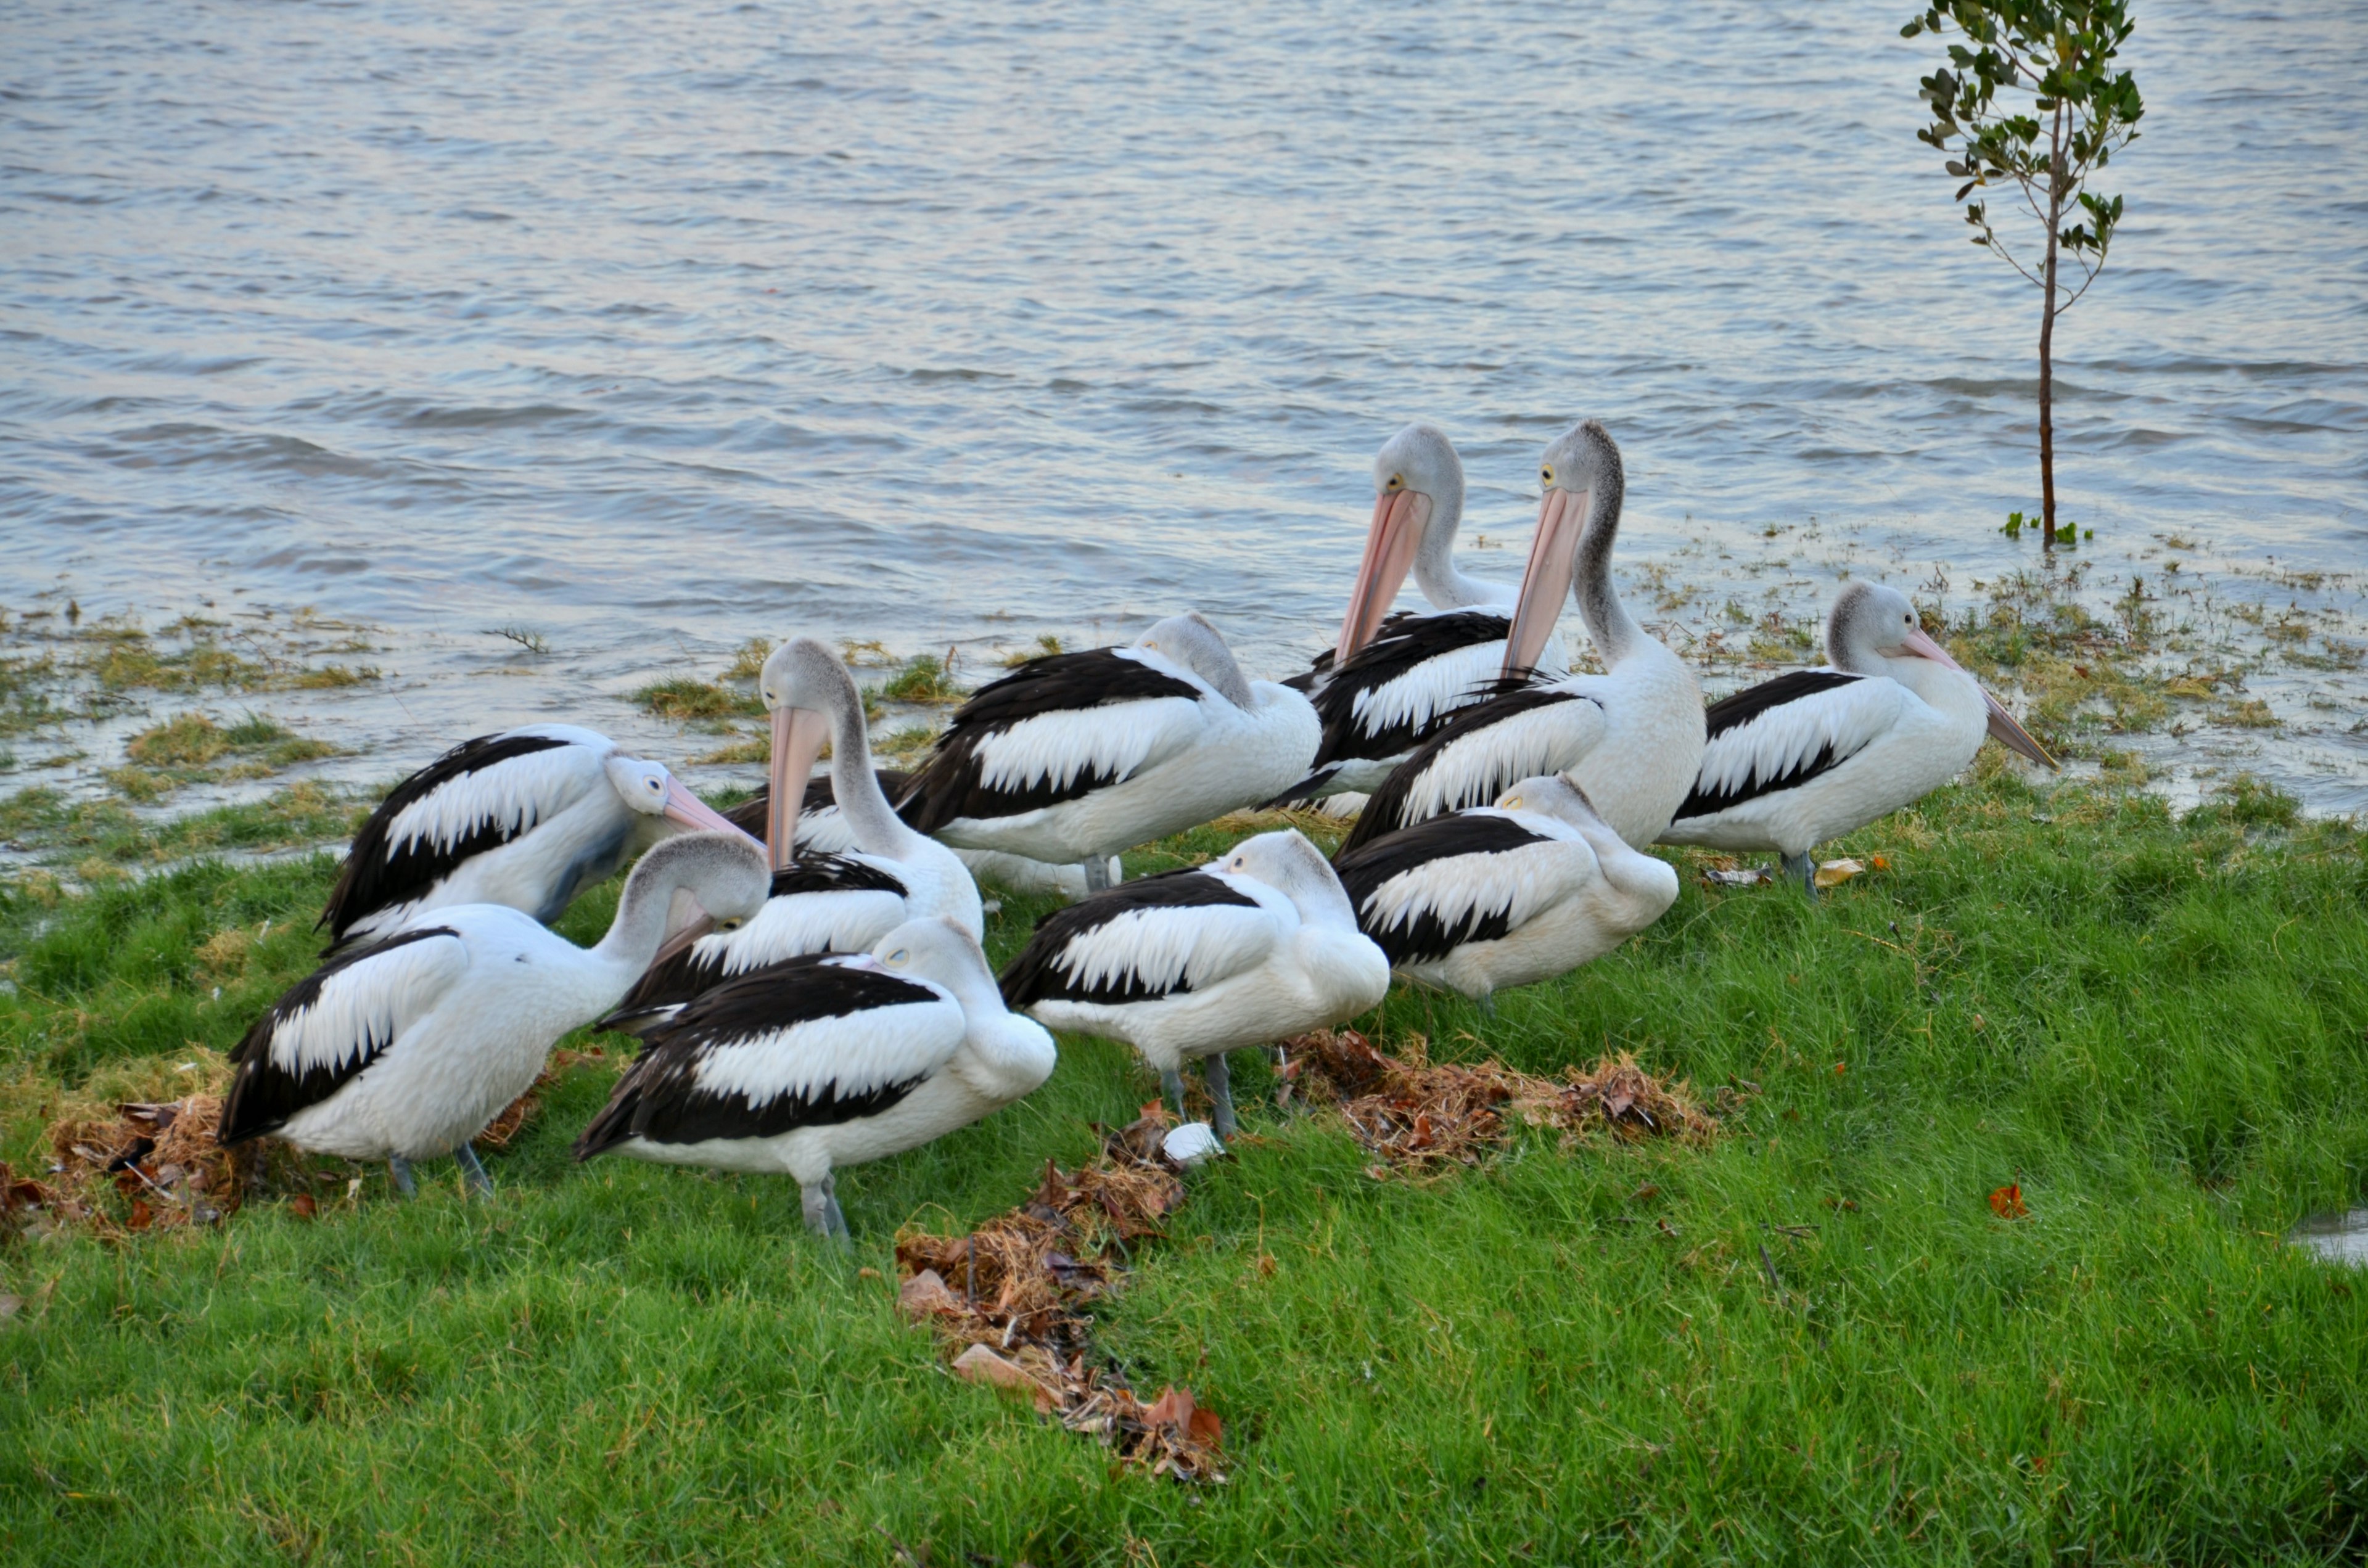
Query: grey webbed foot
x,y
472,1171
400,1169
1804,867
817,1203
1220,1079
1171,1084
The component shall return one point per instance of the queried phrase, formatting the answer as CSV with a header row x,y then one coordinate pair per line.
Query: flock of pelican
x,y
806,974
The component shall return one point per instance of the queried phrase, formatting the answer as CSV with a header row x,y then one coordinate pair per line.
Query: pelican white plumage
x,y
826,1061
1189,965
1629,738
821,902
1814,754
822,829
527,818
1485,899
406,1049
1075,757
1387,684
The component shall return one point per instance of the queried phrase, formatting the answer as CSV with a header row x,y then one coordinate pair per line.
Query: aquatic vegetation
x,y
923,678
688,697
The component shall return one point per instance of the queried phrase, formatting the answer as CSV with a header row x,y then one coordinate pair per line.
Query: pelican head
x,y
1553,795
1285,861
1869,623
1191,641
1417,500
648,789
808,691
1581,483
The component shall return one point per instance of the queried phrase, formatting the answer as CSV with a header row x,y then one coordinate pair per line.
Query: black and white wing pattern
x,y
1473,876
1783,732
1520,733
818,820
813,1041
1055,729
478,796
1152,938
1396,691
334,1022
820,903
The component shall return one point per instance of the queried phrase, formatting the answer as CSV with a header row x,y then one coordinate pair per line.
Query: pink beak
x,y
798,737
1546,582
1399,519
2009,734
692,813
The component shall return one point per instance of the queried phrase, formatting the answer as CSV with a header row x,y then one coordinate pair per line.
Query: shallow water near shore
x,y
951,329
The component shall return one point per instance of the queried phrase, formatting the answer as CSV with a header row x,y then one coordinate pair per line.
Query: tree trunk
x,y
2047,337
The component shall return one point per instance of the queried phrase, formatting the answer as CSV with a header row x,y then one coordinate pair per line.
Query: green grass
x,y
1813,1342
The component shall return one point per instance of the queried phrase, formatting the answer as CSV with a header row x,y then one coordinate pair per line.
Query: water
x,y
650,332
2337,1238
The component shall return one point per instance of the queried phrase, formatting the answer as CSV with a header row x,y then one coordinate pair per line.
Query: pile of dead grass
x,y
1009,1301
143,1165
1422,1116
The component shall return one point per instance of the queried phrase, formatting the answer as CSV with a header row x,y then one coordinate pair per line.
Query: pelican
x,y
825,1061
1814,754
823,829
1074,757
405,1050
527,818
1388,684
821,902
1629,738
1192,964
1482,899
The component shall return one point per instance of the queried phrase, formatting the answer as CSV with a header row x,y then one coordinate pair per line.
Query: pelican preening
x,y
825,999
406,1049
1794,761
1390,683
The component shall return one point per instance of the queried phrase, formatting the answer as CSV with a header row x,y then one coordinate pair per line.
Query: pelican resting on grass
x,y
1192,964
407,1049
825,1061
1387,684
820,903
1074,757
1814,754
528,818
1492,897
1629,738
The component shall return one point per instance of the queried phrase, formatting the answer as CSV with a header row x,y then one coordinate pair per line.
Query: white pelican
x,y
1075,757
1629,738
1192,964
1814,754
406,1049
823,830
1482,899
1389,684
826,1061
528,818
821,902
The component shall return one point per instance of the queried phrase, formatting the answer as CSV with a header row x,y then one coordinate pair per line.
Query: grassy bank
x,y
1812,1340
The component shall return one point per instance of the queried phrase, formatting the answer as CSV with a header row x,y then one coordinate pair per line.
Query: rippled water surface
x,y
652,329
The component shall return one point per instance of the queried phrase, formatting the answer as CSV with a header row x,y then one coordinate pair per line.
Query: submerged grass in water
x,y
1813,1338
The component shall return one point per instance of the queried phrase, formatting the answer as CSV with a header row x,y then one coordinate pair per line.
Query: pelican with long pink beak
x,y
1395,677
1631,738
821,902
1815,753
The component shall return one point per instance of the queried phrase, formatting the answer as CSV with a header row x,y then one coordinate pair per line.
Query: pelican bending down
x,y
1194,964
1075,757
1814,754
822,829
407,1049
1485,899
1629,738
528,818
1389,684
826,1061
820,903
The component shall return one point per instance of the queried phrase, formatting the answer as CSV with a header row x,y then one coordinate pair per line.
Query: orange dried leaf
x,y
2007,1202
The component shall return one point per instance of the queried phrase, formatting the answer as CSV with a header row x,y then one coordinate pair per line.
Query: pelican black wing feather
x,y
661,1099
1741,708
1388,809
1036,975
951,784
377,876
1424,935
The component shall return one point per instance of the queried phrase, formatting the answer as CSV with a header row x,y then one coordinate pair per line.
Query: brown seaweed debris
x,y
1423,1114
161,1158
1009,1301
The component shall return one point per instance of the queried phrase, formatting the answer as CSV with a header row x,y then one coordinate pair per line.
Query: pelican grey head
x,y
1582,483
1869,623
1191,641
1417,500
1553,795
1287,862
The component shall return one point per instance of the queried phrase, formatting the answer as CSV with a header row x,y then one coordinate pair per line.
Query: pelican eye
x,y
732,925
1546,474
1513,803
899,955
1397,481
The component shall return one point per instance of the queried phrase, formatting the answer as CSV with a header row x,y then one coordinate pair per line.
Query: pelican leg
x,y
1171,1084
815,1199
472,1171
400,1169
1220,1079
1806,868
834,1217
1488,1005
1097,870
